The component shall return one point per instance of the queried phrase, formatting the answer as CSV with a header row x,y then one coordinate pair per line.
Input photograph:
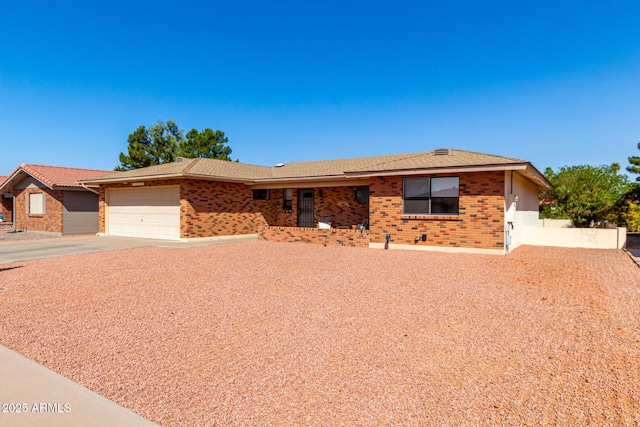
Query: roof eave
x,y
525,168
300,178
107,180
440,169
14,174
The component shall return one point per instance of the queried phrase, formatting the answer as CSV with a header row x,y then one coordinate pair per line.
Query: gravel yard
x,y
259,333
19,236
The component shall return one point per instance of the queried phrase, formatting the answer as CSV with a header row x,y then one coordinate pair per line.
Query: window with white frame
x,y
424,196
35,204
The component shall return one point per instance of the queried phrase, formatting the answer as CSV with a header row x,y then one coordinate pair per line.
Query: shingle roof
x,y
225,170
55,176
425,160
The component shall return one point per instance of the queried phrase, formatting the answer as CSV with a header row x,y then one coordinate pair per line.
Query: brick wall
x,y
479,224
327,237
210,208
6,205
273,212
51,221
340,204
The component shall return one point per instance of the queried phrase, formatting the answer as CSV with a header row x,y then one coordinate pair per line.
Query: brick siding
x,y
50,221
327,237
6,205
214,208
479,224
341,205
211,208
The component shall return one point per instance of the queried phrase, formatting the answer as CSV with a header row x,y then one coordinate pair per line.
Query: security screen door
x,y
305,207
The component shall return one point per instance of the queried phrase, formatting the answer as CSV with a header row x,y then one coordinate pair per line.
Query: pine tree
x,y
208,143
151,147
635,164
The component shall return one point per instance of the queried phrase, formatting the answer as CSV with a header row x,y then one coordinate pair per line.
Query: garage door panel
x,y
149,212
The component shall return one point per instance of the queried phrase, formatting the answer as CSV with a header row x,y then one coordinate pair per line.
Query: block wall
x,y
479,224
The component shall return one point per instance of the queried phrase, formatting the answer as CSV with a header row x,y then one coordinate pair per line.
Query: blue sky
x,y
554,83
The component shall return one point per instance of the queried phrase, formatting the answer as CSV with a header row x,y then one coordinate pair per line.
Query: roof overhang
x,y
526,169
260,183
16,176
346,179
310,183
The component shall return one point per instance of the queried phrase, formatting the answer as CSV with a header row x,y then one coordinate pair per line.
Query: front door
x,y
305,207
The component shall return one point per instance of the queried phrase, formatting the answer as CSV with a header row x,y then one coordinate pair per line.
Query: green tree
x,y
586,194
627,211
138,157
635,164
208,143
157,145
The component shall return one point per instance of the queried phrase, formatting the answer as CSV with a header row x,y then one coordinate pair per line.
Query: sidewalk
x,y
32,395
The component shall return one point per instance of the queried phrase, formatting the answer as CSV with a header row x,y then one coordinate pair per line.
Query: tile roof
x,y
56,176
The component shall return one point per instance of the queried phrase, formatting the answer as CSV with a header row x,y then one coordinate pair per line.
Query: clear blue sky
x,y
553,82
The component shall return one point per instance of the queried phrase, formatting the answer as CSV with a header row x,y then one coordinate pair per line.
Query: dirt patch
x,y
260,333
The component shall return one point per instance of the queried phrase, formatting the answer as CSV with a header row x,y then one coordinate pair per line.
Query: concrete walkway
x,y
51,248
32,395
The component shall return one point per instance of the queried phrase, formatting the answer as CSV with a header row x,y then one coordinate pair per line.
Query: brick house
x,y
440,200
6,204
50,199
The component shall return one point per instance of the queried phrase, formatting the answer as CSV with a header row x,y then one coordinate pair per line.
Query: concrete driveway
x,y
51,248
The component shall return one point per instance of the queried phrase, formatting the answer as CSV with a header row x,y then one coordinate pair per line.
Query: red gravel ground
x,y
261,333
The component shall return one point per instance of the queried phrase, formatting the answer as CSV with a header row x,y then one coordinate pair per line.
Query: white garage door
x,y
144,212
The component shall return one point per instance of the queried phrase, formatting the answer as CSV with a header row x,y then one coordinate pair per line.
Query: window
x,y
287,199
362,195
35,204
261,194
431,196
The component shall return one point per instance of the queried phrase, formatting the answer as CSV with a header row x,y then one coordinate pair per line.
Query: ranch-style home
x,y
50,199
445,199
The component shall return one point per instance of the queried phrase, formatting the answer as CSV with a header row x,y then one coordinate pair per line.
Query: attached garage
x,y
151,212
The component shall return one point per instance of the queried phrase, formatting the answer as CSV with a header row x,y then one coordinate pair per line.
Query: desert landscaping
x,y
262,333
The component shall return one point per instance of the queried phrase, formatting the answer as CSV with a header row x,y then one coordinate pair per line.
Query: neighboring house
x,y
441,200
50,199
6,204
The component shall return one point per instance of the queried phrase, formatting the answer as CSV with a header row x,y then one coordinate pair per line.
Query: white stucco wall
x,y
523,212
595,238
